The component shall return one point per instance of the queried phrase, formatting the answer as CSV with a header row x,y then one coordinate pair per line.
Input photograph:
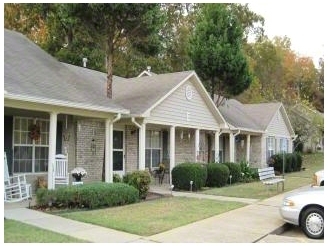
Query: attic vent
x,y
85,60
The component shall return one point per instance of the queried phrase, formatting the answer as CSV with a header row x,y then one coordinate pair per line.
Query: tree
x,y
318,94
113,25
216,51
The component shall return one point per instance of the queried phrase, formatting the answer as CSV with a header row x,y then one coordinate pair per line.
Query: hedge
x,y
217,175
91,196
291,161
140,180
235,171
183,173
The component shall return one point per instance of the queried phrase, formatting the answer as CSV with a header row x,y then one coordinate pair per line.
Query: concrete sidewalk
x,y
244,225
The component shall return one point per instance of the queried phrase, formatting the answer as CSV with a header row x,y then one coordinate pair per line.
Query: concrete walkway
x,y
244,225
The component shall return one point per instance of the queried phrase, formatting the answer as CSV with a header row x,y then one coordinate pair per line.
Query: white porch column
x,y
248,147
108,151
196,145
217,147
172,151
232,147
52,149
142,147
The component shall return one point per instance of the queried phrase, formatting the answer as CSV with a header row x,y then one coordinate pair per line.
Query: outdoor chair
x,y
61,175
15,187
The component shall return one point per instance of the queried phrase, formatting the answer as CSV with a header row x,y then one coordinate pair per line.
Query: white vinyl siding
x,y
177,109
277,126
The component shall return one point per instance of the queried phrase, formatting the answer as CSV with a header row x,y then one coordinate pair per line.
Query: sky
x,y
303,22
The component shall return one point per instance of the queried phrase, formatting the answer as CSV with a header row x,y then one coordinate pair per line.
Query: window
x,y
118,151
284,145
271,147
153,148
30,155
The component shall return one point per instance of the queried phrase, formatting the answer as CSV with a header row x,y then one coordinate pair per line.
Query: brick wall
x,y
256,151
90,142
131,148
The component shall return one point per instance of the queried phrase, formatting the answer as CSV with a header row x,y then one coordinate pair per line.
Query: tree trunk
x,y
110,58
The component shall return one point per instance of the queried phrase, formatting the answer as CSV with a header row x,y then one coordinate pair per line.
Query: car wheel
x,y
312,222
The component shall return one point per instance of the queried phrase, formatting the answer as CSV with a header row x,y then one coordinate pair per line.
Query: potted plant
x,y
161,168
78,173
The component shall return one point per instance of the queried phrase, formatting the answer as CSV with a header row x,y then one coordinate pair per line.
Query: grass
x,y
256,190
17,232
152,217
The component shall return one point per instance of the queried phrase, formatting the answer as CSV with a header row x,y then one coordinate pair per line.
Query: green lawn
x,y
17,232
152,217
256,190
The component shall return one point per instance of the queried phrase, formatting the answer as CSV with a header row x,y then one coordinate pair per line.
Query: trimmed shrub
x,y
235,171
91,196
217,175
293,162
299,160
140,180
275,161
183,173
288,162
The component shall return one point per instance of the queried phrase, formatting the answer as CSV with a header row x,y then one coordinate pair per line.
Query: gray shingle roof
x,y
234,113
137,94
29,72
249,116
262,112
140,94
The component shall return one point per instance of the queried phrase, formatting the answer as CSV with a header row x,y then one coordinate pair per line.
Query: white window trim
x,y
33,144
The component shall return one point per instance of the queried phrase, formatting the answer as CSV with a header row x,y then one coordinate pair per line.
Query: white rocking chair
x,y
60,170
15,187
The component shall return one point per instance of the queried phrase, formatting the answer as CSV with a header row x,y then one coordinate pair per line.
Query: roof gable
x,y
142,93
187,104
253,117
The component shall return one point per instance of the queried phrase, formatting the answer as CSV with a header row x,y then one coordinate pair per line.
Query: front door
x,y
118,152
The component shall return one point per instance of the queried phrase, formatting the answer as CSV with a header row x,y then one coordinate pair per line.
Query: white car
x,y
305,208
318,178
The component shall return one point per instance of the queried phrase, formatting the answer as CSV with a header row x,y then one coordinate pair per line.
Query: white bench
x,y
268,177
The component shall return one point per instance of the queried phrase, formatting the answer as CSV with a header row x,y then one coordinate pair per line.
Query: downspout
x,y
136,123
237,133
117,118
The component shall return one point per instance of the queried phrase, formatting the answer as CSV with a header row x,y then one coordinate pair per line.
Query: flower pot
x,y
78,179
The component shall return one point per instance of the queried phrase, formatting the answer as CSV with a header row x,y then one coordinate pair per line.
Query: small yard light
x,y
191,182
172,187
230,178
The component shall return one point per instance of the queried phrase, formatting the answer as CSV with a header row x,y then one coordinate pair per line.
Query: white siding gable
x,y
178,109
277,126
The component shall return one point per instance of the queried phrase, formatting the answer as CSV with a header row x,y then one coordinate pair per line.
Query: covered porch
x,y
58,129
